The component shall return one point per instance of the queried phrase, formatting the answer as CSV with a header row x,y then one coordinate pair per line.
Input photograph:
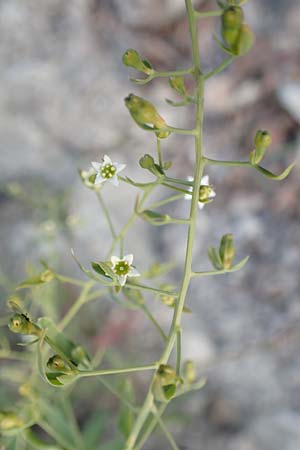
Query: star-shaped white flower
x,y
123,268
206,192
107,171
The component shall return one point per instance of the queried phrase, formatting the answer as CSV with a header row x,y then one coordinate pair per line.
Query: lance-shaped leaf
x,y
271,175
36,280
90,274
154,217
104,269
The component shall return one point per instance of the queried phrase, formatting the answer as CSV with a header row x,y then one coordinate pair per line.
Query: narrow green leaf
x,y
272,176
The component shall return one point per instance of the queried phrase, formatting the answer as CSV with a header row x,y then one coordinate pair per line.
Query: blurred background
x,y
61,99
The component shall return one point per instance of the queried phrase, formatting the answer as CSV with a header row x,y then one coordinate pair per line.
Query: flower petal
x,y
128,258
190,178
122,279
99,179
114,180
201,205
133,272
205,180
212,194
187,196
119,167
107,160
96,165
114,260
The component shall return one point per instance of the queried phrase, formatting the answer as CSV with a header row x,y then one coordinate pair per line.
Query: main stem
x,y
199,163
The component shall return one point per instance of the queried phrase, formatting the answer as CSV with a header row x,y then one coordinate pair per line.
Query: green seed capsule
x,y
147,162
227,251
145,114
262,139
131,58
57,364
230,36
232,17
19,323
244,41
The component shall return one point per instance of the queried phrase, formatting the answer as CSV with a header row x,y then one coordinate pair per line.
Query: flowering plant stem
x,y
199,163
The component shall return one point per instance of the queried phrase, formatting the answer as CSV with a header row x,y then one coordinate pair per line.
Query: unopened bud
x,y
227,251
131,58
177,83
190,371
47,276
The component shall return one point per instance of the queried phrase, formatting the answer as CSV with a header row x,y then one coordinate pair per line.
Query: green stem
x,y
96,373
199,79
182,131
69,280
143,287
150,427
154,321
220,67
106,214
76,306
159,154
175,188
165,430
178,352
155,74
166,201
203,15
179,181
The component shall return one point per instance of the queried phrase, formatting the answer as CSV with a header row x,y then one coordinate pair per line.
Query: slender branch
x,y
154,321
167,200
178,351
106,214
155,74
203,15
220,67
165,430
159,154
96,373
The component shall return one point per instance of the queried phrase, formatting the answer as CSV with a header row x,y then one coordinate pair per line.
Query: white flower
x,y
107,171
123,268
206,192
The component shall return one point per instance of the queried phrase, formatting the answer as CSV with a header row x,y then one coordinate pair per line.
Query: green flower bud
x,y
227,251
19,323
177,83
147,162
47,276
131,58
244,42
232,17
57,364
9,421
190,371
88,178
145,114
